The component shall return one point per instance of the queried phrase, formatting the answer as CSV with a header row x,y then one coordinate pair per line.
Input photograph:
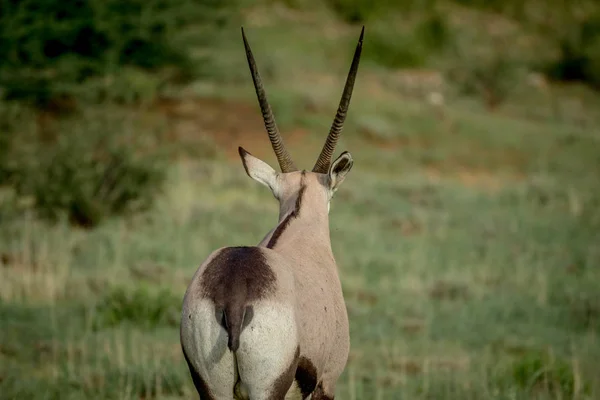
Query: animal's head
x,y
321,183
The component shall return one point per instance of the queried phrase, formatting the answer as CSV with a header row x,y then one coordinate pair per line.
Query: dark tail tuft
x,y
234,315
233,343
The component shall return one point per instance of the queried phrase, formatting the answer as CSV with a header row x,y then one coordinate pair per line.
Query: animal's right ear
x,y
258,170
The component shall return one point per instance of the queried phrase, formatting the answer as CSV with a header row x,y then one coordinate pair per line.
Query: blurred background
x,y
467,233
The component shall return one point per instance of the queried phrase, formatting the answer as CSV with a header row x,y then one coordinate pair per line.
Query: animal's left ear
x,y
339,169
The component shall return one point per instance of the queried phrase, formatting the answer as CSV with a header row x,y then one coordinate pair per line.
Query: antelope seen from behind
x,y
269,322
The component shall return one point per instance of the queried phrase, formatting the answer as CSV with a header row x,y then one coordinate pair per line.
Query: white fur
x,y
267,347
209,353
260,171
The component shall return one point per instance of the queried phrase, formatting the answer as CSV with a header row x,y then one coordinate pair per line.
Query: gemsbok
x,y
269,322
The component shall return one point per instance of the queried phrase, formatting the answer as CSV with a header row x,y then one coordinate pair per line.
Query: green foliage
x,y
354,11
128,86
434,31
47,47
298,4
361,11
138,305
495,5
402,52
393,48
94,168
8,116
578,51
538,372
572,29
489,74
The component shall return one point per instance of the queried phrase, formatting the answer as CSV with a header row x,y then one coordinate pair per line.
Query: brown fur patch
x,y
285,380
199,383
237,270
235,277
294,214
306,376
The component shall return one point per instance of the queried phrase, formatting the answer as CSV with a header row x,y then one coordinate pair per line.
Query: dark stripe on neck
x,y
294,214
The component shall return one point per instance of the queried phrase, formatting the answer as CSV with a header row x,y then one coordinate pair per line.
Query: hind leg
x,y
268,353
325,389
279,388
320,394
204,345
206,388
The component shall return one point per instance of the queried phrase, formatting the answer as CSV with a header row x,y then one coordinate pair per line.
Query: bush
x,y
48,47
139,306
434,31
354,11
578,52
491,79
402,51
360,11
91,170
17,123
392,48
489,72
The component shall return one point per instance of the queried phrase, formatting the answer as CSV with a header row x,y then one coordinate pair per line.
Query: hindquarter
x,y
248,281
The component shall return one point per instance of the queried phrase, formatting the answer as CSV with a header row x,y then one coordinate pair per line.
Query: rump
x,y
269,351
239,323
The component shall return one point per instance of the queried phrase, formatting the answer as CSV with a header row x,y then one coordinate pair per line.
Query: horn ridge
x,y
324,160
283,157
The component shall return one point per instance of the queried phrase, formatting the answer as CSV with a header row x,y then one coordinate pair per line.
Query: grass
x,y
467,241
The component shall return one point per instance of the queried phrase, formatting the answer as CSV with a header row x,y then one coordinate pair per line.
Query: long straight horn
x,y
283,157
324,160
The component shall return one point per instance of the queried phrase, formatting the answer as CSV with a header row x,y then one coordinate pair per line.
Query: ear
x,y
339,169
259,170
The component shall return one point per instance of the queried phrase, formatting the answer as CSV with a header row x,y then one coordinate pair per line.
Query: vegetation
x,y
86,169
50,49
467,233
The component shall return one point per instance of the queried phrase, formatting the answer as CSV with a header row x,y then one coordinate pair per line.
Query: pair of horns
x,y
283,157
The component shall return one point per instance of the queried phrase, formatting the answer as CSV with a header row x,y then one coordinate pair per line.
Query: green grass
x,y
454,290
468,243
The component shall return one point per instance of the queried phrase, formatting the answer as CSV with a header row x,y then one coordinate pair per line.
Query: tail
x,y
234,311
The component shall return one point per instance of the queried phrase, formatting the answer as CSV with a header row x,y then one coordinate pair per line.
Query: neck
x,y
301,228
